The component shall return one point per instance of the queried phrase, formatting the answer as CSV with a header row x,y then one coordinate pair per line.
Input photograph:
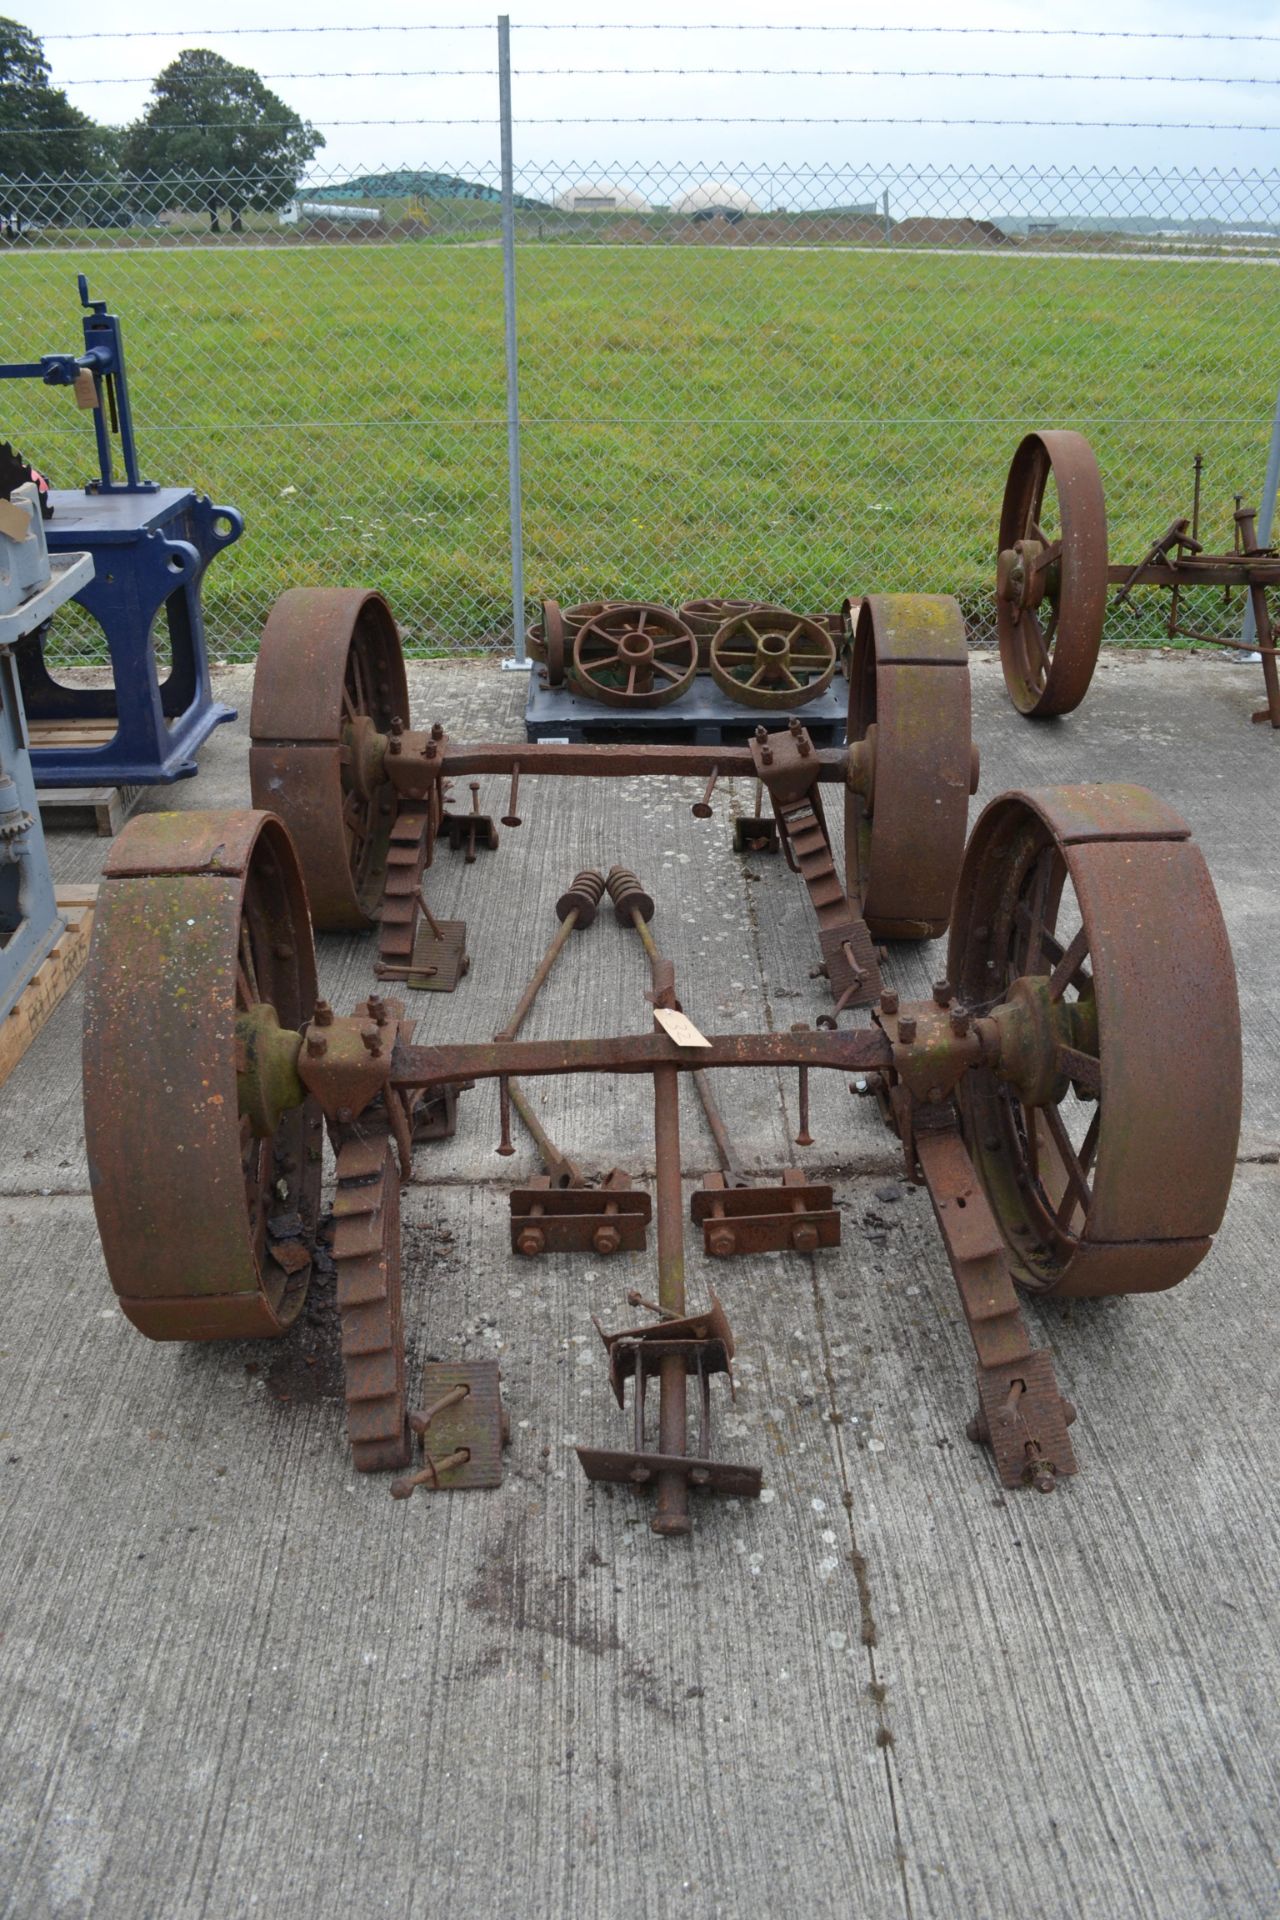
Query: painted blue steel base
x,y
150,553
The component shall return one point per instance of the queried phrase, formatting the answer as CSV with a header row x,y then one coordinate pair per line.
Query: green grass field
x,y
791,424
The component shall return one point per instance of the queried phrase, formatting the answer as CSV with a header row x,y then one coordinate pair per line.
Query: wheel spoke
x,y
246,958
1074,1172
670,673
1036,911
1089,1145
1068,964
1031,1143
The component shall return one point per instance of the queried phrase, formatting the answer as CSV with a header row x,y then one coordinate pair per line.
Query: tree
x,y
214,136
41,134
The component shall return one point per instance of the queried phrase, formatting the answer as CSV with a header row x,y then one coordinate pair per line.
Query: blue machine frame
x,y
152,546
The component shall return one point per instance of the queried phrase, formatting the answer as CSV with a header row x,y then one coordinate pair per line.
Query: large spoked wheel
x,y
204,1158
634,656
768,657
1087,925
330,679
912,764
704,619
1051,575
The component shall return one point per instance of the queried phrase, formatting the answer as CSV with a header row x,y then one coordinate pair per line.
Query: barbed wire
x,y
684,26
681,120
726,73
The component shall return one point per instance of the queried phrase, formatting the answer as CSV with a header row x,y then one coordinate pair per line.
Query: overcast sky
x,y
400,75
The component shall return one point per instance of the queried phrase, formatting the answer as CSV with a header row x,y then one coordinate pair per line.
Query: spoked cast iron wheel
x,y
1051,575
633,656
1087,924
330,680
204,1160
912,763
767,657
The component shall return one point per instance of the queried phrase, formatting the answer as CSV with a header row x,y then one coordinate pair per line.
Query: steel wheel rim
x,y
909,713
1116,1179
329,683
202,918
1051,584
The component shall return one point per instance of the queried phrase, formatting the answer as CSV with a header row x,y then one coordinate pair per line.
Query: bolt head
x,y
805,1239
530,1240
317,1045
907,1028
888,1002
942,992
722,1241
323,1016
606,1239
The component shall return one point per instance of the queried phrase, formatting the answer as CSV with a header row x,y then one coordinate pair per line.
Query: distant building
x,y
601,196
715,200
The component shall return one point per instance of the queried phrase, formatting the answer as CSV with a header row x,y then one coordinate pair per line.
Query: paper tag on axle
x,y
679,1027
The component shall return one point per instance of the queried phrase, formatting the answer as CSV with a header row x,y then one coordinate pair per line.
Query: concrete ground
x,y
236,1677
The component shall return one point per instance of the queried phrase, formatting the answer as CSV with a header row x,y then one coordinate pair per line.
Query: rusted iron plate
x,y
301,674
641,1470
330,680
1051,584
1023,1419
475,1425
909,708
1153,982
189,1209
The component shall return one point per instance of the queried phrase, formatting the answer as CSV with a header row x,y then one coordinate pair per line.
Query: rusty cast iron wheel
x,y
704,619
535,638
768,657
1051,575
207,1219
1087,923
633,656
329,682
911,763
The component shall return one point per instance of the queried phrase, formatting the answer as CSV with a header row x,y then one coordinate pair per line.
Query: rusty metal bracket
x,y
608,1219
467,1425
698,1344
795,1215
470,833
788,767
1022,1416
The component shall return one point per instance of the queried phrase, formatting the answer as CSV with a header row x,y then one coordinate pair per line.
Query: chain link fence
x,y
784,384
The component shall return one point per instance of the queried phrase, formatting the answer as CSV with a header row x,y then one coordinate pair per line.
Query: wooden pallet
x,y
47,985
105,809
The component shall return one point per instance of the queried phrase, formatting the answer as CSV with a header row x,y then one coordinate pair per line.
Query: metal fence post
x,y
521,660
1266,513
